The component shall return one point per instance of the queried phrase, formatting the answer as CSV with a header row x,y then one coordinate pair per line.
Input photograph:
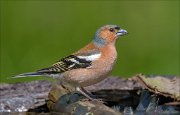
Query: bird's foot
x,y
94,100
99,101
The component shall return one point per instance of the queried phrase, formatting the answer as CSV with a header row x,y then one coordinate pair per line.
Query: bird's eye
x,y
111,30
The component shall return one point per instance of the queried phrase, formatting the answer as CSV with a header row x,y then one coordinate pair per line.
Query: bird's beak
x,y
121,32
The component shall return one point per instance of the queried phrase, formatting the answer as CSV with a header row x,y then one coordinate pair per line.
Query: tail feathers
x,y
30,74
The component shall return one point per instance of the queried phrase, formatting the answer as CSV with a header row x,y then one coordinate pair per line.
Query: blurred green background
x,y
35,34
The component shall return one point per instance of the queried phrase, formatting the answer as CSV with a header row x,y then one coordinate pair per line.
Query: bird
x,y
89,65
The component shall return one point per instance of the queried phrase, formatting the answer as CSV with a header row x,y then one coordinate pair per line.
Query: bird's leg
x,y
82,91
85,93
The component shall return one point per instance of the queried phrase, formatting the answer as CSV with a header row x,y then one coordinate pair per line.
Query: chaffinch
x,y
89,65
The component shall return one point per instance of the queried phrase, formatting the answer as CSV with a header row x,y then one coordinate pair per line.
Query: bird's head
x,y
108,34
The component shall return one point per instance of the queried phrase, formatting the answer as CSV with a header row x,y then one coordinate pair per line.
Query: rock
x,y
118,94
62,99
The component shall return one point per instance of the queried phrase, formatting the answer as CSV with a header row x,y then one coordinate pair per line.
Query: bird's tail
x,y
30,74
